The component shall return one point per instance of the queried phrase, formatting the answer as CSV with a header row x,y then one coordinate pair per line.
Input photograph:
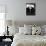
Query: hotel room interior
x,y
22,22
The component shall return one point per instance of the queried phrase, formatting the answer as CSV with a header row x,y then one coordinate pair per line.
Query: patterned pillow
x,y
36,30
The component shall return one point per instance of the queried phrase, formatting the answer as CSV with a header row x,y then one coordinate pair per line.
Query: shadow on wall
x,y
21,23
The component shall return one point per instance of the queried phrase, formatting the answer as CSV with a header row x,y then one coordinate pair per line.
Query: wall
x,y
17,10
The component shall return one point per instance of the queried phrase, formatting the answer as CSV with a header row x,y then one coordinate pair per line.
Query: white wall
x,y
17,10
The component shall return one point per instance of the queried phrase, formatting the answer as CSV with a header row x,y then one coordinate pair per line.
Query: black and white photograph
x,y
30,9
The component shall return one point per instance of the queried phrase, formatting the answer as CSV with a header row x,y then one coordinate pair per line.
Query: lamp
x,y
8,23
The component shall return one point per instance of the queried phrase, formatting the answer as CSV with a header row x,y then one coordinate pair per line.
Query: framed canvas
x,y
30,9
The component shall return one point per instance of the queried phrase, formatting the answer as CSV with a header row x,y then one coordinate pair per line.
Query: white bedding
x,y
29,40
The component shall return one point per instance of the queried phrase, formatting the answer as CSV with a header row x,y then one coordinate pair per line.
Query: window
x,y
2,19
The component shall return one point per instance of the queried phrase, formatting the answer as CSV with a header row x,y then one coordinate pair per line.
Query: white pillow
x,y
21,30
28,31
36,30
24,30
44,27
42,30
28,26
13,30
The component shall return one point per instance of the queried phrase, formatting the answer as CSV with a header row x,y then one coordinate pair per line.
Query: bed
x,y
21,39
29,40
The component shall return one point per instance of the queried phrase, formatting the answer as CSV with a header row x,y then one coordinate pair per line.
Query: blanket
x,y
29,40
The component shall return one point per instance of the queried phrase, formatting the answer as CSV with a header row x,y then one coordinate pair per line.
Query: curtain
x,y
2,19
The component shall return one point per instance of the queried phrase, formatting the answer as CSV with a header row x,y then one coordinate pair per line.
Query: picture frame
x,y
30,9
